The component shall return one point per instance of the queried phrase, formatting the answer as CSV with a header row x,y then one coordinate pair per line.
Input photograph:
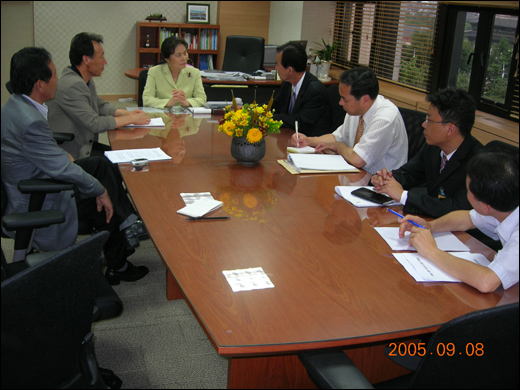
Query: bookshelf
x,y
203,42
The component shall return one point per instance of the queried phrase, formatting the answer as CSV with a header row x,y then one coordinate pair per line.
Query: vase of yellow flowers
x,y
248,128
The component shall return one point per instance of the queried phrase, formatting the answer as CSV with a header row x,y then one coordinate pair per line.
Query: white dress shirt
x,y
384,143
505,263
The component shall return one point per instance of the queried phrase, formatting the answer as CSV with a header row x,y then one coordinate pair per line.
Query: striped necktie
x,y
291,103
359,131
444,160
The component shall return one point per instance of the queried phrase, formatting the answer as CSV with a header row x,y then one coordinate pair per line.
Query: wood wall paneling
x,y
242,18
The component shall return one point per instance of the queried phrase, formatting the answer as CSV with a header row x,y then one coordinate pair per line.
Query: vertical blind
x,y
394,38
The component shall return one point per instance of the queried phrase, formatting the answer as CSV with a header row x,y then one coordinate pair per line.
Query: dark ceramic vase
x,y
247,153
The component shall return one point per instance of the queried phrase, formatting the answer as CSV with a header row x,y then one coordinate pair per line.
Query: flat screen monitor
x,y
270,55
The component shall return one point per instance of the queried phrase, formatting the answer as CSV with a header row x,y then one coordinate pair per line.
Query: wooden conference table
x,y
336,283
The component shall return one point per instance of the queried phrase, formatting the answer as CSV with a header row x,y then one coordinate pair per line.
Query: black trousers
x,y
102,169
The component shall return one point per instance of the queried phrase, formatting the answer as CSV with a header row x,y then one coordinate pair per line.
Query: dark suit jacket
x,y
445,191
311,109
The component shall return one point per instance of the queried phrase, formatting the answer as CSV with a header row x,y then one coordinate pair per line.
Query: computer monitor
x,y
270,55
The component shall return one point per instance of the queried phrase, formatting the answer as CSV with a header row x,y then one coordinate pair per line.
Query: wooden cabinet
x,y
203,42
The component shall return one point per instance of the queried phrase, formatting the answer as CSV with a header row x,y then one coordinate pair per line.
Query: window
x,y
480,51
395,39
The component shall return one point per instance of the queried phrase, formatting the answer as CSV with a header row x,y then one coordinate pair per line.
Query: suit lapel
x,y
453,164
299,98
168,76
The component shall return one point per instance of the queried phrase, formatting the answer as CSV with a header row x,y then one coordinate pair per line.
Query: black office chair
x,y
49,345
244,54
413,121
338,113
500,146
108,304
485,355
143,75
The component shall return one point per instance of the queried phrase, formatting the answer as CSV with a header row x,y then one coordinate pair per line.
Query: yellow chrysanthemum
x,y
239,132
259,110
228,128
254,135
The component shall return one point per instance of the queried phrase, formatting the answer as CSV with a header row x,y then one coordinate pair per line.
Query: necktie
x,y
359,131
293,97
443,161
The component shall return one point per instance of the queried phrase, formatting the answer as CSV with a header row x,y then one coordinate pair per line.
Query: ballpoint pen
x,y
205,218
297,136
400,216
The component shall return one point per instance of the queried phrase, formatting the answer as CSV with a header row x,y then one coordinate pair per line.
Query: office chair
x,y
58,136
500,146
338,113
49,345
107,304
485,355
143,75
413,121
244,54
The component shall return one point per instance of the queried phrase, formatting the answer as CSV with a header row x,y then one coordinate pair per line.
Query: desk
x,y
336,281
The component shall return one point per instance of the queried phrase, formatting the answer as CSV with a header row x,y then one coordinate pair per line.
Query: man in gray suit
x,y
30,152
78,109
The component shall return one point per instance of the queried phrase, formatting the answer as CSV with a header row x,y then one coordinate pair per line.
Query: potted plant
x,y
324,53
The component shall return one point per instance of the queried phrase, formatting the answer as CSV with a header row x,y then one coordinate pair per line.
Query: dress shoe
x,y
131,274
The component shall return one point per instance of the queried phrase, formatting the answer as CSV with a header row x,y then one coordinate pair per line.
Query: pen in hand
x,y
297,136
400,216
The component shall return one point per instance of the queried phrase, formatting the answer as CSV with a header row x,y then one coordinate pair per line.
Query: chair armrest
x,y
33,220
62,137
43,185
333,369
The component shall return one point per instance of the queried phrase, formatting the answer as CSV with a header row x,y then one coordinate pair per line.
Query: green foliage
x,y
325,51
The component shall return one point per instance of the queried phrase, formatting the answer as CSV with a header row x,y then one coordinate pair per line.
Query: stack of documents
x,y
423,270
346,193
304,150
198,204
248,279
446,241
125,156
154,122
316,163
420,268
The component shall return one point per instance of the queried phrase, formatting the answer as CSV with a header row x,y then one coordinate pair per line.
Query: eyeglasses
x,y
428,121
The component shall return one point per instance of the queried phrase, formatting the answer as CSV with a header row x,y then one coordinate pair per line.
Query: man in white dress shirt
x,y
373,134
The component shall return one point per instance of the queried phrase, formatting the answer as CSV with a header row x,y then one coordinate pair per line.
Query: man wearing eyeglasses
x,y
433,183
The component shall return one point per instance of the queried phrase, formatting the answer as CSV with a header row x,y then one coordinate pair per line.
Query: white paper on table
x,y
446,241
124,156
192,197
248,279
423,270
320,162
305,149
154,122
346,193
149,110
200,208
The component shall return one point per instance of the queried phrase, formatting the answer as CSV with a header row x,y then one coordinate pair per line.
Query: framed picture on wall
x,y
197,13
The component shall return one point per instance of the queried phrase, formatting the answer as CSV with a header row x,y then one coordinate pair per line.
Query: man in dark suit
x,y
29,151
433,183
302,97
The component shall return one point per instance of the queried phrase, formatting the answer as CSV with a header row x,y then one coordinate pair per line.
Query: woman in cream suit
x,y
173,83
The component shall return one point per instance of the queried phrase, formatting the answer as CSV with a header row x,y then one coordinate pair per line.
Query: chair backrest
x,y
500,146
42,340
338,113
244,54
413,121
477,350
143,75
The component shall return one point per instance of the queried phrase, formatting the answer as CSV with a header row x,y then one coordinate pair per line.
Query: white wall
x,y
301,20
17,16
